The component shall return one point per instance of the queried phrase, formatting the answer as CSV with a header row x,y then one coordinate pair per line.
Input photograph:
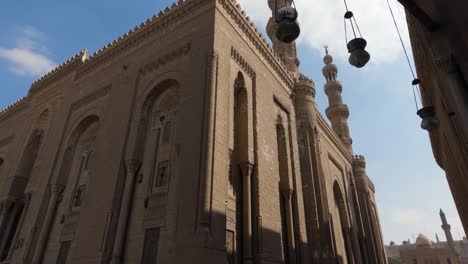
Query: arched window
x,y
160,136
343,219
285,191
85,158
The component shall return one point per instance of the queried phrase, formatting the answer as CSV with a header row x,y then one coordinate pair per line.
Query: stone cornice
x,y
333,137
12,108
60,71
238,15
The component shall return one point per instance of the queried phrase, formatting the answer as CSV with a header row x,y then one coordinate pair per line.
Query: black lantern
x,y
287,29
429,120
427,113
356,47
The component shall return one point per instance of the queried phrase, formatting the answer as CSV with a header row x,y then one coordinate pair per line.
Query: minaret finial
x,y
326,49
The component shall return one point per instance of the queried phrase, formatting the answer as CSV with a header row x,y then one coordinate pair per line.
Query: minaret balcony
x,y
335,111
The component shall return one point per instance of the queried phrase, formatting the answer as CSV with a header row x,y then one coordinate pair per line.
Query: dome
x,y
423,241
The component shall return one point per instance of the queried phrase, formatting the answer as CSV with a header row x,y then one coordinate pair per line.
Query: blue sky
x,y
37,35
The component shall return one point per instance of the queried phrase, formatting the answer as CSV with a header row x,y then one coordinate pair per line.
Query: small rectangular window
x,y
162,175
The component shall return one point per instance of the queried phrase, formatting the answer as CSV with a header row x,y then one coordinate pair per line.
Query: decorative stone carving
x,y
165,59
242,63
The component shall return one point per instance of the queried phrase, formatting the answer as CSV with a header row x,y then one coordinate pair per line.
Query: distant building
x,y
425,251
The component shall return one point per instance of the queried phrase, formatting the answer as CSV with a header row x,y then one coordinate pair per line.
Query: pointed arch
x,y
239,172
23,174
344,220
154,147
91,121
162,99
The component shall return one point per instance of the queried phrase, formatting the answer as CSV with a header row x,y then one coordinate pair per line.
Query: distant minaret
x,y
437,238
287,52
337,112
446,228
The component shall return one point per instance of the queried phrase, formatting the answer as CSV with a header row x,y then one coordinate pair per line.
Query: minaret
x,y
287,52
337,112
446,228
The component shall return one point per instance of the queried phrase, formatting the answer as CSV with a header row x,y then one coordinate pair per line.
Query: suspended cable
x,y
401,40
346,5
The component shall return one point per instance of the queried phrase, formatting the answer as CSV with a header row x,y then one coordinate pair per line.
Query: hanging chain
x,y
293,4
345,31
414,95
351,22
401,40
416,82
359,31
346,5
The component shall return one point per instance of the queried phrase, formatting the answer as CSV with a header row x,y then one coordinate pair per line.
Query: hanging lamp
x,y
359,57
287,29
426,113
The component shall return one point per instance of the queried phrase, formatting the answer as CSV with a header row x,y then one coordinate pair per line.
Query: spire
x,y
442,217
337,112
287,52
446,227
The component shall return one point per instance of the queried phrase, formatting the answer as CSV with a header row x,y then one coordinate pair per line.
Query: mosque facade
x,y
187,140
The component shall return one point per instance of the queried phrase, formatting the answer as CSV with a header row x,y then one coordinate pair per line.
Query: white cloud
x,y
29,57
406,217
322,23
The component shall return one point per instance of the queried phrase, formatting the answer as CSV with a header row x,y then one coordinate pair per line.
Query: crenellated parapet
x,y
305,85
61,70
12,107
163,20
359,162
304,102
